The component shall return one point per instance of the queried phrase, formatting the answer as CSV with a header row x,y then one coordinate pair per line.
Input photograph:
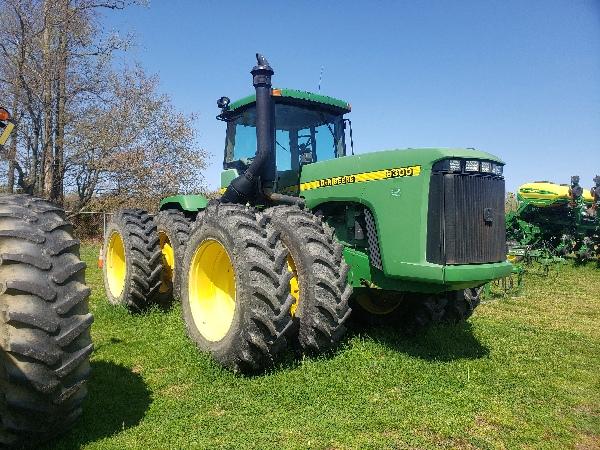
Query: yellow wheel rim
x,y
380,307
294,286
168,259
212,290
116,267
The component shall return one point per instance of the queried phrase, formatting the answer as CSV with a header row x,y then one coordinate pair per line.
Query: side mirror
x,y
223,103
306,158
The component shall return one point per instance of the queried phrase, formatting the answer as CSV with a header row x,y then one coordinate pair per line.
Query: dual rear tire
x,y
143,256
173,229
132,260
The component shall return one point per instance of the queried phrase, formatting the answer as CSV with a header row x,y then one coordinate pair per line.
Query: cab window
x,y
303,135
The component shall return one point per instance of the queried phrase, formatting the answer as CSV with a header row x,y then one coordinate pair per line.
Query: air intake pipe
x,y
244,188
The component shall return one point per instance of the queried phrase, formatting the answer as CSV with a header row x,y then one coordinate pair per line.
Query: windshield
x,y
303,136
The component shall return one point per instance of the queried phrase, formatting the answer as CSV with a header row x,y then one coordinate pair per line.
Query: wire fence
x,y
89,225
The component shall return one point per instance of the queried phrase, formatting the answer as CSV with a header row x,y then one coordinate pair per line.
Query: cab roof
x,y
295,96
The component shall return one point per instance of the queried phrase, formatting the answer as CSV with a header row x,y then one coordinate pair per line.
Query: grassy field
x,y
523,373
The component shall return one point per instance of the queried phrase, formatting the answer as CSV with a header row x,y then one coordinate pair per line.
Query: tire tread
x,y
326,308
44,330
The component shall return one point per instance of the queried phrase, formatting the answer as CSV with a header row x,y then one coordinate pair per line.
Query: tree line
x,y
90,133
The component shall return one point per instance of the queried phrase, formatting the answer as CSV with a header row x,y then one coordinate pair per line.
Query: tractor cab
x,y
309,128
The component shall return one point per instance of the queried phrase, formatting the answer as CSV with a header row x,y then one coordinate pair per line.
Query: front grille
x,y
466,219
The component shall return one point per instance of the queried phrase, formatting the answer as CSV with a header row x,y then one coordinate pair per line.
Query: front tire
x,y
421,311
235,293
44,324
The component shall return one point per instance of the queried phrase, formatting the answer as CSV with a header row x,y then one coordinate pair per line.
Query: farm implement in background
x,y
6,126
557,218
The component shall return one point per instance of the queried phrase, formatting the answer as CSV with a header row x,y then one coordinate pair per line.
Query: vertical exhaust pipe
x,y
265,118
246,187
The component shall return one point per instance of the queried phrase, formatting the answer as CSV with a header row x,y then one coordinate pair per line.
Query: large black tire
x,y
249,248
173,231
44,322
139,251
322,274
421,311
461,304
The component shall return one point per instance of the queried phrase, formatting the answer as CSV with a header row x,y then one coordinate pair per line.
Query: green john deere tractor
x,y
305,231
45,342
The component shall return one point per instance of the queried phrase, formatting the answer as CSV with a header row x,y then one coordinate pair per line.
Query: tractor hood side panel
x,y
394,185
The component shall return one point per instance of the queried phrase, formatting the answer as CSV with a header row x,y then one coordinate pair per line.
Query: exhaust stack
x,y
246,187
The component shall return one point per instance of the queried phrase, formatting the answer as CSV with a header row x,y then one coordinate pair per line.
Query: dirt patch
x,y
483,423
177,391
588,409
588,442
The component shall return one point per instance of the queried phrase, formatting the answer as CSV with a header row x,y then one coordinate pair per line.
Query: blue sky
x,y
520,79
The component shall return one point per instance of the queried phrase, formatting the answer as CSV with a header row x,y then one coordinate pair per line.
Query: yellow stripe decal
x,y
385,174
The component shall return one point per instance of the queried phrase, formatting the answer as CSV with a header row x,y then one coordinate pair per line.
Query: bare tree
x,y
133,148
56,74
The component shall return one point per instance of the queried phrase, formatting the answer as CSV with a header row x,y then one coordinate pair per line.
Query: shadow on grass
x,y
117,400
438,343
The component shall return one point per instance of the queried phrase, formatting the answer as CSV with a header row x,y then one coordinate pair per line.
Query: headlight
x,y
454,165
472,166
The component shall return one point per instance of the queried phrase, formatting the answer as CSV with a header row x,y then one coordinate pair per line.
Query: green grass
x,y
523,373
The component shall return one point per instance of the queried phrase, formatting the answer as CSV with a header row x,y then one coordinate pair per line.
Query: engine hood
x,y
381,165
